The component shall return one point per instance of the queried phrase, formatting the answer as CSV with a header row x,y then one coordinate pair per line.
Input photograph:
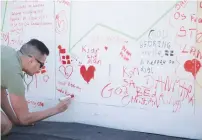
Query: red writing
x,y
63,91
69,84
179,15
87,50
181,4
156,95
93,59
61,22
129,73
193,51
35,104
32,14
5,37
65,2
16,41
196,19
125,53
183,33
91,55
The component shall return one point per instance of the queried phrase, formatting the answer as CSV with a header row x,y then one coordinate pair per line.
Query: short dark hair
x,y
39,45
34,47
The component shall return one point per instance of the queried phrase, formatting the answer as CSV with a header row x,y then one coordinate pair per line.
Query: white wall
x,y
133,83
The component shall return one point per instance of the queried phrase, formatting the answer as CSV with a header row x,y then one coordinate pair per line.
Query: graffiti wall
x,y
118,59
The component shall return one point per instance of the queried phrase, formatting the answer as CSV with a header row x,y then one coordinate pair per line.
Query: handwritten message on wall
x,y
157,70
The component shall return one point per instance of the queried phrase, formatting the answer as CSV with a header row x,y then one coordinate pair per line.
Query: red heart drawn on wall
x,y
192,66
87,74
66,71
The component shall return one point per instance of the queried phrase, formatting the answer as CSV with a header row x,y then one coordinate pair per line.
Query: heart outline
x,y
65,73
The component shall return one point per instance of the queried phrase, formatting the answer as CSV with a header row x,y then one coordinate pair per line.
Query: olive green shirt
x,y
11,71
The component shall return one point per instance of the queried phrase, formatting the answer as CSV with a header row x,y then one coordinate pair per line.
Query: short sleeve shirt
x,y
11,71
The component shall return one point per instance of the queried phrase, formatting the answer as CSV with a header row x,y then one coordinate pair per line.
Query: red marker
x,y
66,97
